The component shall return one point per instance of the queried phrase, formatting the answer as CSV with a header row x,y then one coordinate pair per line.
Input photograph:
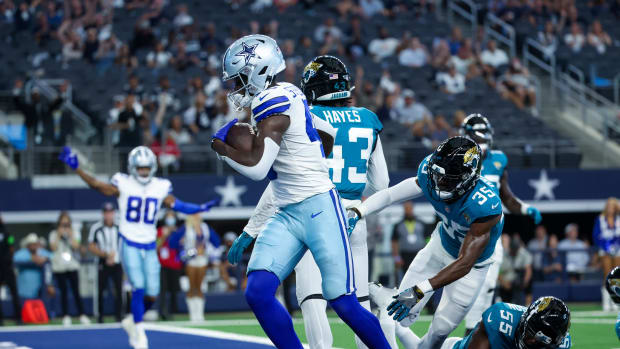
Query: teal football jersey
x,y
493,166
456,217
500,323
358,131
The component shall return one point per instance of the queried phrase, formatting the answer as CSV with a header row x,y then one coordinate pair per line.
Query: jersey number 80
x,y
135,212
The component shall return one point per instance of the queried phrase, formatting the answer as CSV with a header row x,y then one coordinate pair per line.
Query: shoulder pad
x,y
270,101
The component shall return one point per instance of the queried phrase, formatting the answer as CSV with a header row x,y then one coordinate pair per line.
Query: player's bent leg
x,y
456,301
450,342
273,318
484,299
406,336
359,251
363,322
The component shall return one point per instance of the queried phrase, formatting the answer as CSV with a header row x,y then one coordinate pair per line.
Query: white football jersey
x,y
138,205
300,170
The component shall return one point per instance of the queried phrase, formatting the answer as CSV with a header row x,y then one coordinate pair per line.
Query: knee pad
x,y
442,325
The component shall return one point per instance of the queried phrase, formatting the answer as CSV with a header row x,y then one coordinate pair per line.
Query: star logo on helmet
x,y
247,52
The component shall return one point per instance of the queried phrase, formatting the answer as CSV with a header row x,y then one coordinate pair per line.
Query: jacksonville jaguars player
x,y
612,284
494,162
457,256
544,324
356,165
140,196
287,150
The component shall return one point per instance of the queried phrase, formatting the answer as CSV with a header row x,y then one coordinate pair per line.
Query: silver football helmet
x,y
252,61
142,157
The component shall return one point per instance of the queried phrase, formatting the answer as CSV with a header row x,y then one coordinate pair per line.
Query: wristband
x,y
524,208
425,286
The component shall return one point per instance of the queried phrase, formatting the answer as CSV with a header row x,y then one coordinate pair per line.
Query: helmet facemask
x,y
449,187
142,157
244,90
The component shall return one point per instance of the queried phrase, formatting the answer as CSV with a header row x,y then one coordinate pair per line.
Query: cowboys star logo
x,y
247,52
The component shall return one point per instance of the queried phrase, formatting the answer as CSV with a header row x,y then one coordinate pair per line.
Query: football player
x,y
544,324
287,149
357,165
494,162
612,283
140,196
457,257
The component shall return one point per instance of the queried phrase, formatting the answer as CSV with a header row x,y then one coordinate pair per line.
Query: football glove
x,y
535,214
403,302
352,216
222,133
208,205
69,158
239,245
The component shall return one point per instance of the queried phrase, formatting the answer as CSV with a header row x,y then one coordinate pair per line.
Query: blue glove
x,y
353,217
404,301
208,205
69,158
236,250
535,214
222,133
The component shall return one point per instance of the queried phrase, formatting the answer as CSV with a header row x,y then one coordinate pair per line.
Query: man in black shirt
x,y
7,275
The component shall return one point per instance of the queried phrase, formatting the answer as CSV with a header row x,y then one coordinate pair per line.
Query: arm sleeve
x,y
405,190
260,170
378,176
185,207
263,211
324,126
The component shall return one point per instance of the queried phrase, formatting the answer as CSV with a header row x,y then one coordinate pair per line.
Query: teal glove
x,y
236,250
535,214
404,301
353,217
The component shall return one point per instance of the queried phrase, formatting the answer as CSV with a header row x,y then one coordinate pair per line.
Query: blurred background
x,y
104,76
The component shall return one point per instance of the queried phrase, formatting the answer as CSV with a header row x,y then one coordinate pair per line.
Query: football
x,y
240,136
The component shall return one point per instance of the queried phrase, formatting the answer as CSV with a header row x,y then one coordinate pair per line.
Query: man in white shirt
x,y
383,46
451,82
575,39
327,27
408,112
576,261
492,58
415,55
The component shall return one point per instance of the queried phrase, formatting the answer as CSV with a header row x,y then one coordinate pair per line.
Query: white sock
x,y
190,308
387,325
606,299
409,339
316,324
200,308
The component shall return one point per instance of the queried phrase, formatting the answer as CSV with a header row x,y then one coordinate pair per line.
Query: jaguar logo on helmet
x,y
543,303
310,70
471,157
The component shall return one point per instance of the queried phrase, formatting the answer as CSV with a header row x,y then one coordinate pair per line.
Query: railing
x,y
617,89
509,39
471,16
529,56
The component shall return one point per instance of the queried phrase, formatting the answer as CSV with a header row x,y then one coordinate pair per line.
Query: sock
x,y
360,320
137,305
273,318
316,324
200,308
358,341
406,336
148,303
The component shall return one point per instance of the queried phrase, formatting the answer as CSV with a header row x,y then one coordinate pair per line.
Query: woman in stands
x,y
606,236
65,247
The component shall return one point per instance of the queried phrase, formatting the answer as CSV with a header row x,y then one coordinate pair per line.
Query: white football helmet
x,y
254,60
142,157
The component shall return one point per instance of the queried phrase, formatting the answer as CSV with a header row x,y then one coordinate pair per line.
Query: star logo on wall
x,y
544,186
247,52
230,192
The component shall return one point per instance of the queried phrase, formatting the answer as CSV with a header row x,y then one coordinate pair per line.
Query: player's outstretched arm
x,y
255,163
187,207
513,204
70,159
479,339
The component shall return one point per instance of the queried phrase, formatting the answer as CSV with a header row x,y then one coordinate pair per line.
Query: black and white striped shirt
x,y
106,238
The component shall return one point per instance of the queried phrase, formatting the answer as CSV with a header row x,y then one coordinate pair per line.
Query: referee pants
x,y
115,274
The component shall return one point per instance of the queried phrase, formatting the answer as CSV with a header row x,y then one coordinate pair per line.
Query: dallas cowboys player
x,y
457,256
140,195
544,324
612,284
357,165
287,149
494,162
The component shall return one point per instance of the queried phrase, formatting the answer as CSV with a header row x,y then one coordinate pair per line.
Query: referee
x,y
103,242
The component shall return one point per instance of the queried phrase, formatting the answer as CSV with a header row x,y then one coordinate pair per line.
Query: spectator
x,y
548,40
178,133
72,47
331,46
415,54
577,256
383,46
91,45
606,237
124,58
455,40
196,117
515,276
168,154
183,18
575,39
129,123
552,262
451,82
159,58
441,54
165,94
134,87
516,86
233,275
493,59
537,247
371,7
407,239
410,113
465,60
23,16
327,27
182,58
194,241
440,130
598,38
366,95
65,247
171,266
32,263
7,274
103,242
106,54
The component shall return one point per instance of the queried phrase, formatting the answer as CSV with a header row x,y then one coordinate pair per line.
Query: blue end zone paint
x,y
116,338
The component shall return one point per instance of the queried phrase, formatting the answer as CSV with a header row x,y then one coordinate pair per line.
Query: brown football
x,y
240,136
